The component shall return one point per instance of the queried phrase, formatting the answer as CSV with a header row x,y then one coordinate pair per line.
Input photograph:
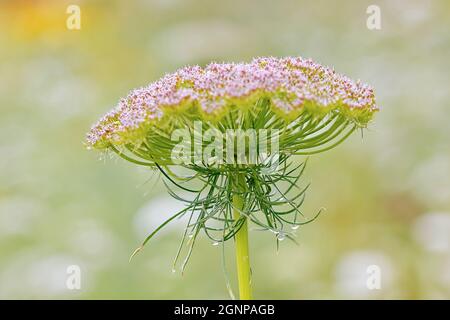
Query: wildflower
x,y
297,105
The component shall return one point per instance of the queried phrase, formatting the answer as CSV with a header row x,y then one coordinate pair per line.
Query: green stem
x,y
242,252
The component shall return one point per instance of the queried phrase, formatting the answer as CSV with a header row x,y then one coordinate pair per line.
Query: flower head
x,y
292,85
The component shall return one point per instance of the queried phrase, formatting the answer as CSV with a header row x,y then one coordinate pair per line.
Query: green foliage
x,y
272,196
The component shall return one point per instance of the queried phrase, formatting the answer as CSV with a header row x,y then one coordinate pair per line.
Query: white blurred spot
x,y
352,276
39,276
193,41
17,215
431,181
445,273
155,212
411,12
432,231
50,85
90,238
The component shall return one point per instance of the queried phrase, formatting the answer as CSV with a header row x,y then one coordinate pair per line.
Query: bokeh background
x,y
387,194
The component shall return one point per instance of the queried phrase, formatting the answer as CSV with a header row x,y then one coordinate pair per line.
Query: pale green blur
x,y
386,194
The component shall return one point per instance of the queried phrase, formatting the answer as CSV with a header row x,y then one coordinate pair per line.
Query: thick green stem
x,y
242,252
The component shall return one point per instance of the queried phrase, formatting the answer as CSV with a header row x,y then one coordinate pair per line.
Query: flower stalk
x,y
241,243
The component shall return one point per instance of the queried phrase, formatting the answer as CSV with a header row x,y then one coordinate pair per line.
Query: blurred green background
x,y
387,194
